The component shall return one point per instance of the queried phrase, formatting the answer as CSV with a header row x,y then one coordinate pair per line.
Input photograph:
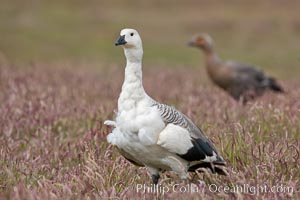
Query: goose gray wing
x,y
198,149
248,74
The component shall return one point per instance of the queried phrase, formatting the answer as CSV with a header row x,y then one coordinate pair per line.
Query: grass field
x,y
60,77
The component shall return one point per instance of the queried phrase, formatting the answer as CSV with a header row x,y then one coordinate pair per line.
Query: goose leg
x,y
155,178
154,174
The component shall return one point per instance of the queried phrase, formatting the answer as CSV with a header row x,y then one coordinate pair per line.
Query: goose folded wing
x,y
179,141
182,137
246,71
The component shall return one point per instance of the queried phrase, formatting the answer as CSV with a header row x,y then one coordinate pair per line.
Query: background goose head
x,y
202,41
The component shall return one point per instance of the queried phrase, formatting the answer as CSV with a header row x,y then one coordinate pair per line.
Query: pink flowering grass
x,y
53,141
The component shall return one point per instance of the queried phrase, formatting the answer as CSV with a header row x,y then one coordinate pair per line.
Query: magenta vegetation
x,y
53,141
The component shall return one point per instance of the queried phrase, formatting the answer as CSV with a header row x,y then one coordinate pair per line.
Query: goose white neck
x,y
133,73
133,70
134,54
132,89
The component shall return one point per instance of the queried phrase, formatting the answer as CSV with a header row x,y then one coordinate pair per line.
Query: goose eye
x,y
131,34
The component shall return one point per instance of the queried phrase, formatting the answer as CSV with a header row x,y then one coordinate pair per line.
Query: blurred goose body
x,y
155,135
241,81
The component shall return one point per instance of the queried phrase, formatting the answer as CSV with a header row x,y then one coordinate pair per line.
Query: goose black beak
x,y
120,41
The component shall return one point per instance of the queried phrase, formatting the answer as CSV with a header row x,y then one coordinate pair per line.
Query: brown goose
x,y
242,81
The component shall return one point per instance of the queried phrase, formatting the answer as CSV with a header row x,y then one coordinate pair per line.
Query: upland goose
x,y
242,81
154,135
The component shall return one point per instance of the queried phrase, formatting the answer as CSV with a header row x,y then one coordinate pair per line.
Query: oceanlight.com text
x,y
250,189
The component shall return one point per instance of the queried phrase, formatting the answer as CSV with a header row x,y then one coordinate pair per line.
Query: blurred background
x,y
264,33
61,75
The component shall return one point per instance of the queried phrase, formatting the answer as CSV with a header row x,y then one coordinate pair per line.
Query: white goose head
x,y
132,44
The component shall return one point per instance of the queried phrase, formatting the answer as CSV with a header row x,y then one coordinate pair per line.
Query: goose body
x,y
154,135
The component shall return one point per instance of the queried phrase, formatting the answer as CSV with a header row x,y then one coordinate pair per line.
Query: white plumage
x,y
175,139
151,134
